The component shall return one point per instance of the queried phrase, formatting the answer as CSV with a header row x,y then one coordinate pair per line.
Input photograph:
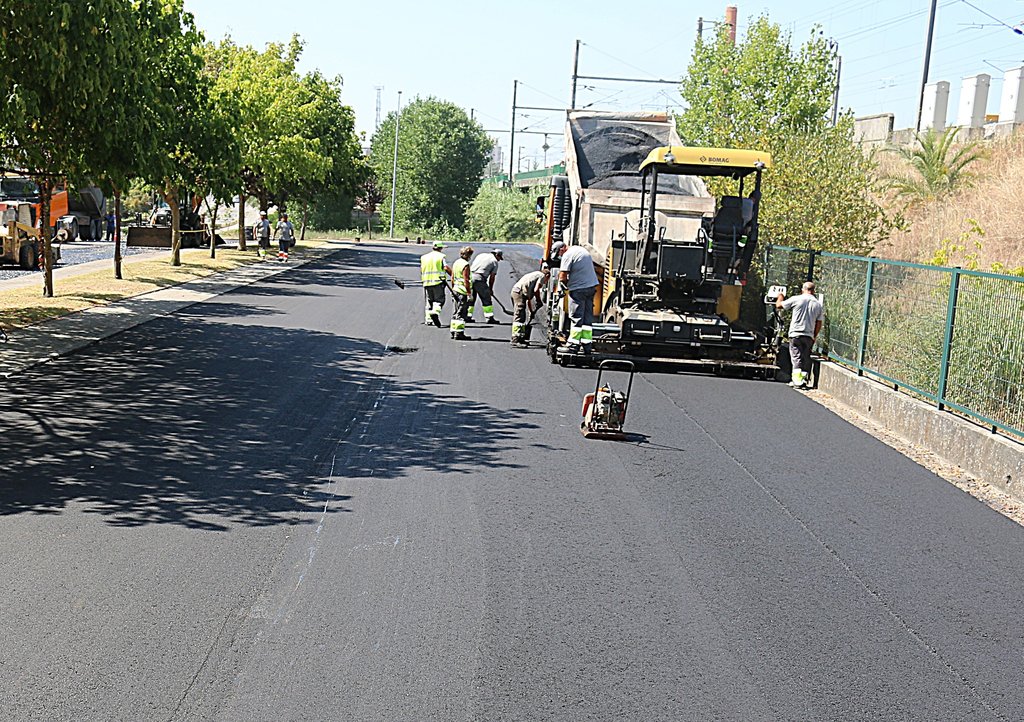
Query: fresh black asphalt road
x,y
297,502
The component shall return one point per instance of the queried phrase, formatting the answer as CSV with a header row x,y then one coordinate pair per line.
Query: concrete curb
x,y
986,456
43,342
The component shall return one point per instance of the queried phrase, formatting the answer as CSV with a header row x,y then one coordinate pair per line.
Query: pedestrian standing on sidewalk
x,y
526,297
433,269
484,270
261,231
804,327
461,285
285,233
111,225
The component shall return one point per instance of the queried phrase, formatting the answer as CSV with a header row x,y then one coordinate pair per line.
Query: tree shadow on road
x,y
207,423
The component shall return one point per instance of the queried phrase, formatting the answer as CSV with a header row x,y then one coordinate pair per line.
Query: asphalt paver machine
x,y
671,290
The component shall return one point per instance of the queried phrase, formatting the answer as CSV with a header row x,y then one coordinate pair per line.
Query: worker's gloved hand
x,y
563,287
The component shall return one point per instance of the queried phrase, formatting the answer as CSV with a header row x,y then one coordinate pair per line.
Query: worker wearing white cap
x,y
433,269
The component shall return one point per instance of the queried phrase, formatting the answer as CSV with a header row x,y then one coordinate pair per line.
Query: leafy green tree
x,y
60,63
938,166
330,121
179,126
504,214
277,151
441,157
135,108
763,93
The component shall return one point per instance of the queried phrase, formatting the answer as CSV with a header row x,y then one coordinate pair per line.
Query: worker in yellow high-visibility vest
x,y
462,285
433,269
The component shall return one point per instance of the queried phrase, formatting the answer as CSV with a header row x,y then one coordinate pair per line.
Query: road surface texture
x,y
297,502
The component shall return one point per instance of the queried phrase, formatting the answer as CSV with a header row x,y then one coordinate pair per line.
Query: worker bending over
x,y
526,297
484,270
804,327
433,269
461,288
578,280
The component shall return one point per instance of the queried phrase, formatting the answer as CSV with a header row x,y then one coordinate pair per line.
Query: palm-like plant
x,y
939,168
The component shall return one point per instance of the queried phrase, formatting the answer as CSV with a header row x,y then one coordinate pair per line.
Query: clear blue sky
x,y
470,52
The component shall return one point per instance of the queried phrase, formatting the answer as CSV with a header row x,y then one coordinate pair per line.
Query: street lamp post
x,y
394,167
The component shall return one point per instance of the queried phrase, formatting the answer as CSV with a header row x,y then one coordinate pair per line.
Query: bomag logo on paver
x,y
714,159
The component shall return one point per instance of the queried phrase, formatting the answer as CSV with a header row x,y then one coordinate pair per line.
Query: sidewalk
x,y
37,344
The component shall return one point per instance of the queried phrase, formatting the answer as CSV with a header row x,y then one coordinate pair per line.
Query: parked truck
x,y
672,260
79,213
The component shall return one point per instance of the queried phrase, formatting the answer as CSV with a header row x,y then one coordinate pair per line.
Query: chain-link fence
x,y
953,337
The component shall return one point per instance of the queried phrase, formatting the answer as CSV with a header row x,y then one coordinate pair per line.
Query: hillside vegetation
x,y
978,226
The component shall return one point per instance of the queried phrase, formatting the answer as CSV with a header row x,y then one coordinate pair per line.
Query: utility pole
x,y
512,142
376,123
700,29
575,69
394,167
834,46
927,60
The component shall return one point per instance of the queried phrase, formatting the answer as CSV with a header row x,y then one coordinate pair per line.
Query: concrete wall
x,y
989,457
873,130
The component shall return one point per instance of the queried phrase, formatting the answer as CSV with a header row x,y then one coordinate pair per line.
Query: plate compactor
x,y
604,410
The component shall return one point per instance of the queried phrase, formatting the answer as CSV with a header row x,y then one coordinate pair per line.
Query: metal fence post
x,y
954,294
810,266
868,283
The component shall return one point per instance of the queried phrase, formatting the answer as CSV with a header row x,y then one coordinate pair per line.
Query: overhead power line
x,y
993,17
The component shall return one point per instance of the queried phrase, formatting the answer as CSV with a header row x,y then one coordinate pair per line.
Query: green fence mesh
x,y
953,337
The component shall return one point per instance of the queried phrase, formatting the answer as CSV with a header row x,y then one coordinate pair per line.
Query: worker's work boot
x,y
493,321
435,319
460,336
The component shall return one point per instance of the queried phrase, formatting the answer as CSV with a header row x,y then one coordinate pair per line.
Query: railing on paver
x,y
951,336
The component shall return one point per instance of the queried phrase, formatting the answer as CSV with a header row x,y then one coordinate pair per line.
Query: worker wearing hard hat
x,y
578,280
433,269
484,270
526,297
461,287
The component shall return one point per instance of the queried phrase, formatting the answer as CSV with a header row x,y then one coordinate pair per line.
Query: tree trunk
x,y
172,200
213,228
369,229
117,233
45,195
241,221
305,216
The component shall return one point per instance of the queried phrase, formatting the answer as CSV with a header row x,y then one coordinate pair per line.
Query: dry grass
x,y
992,201
25,306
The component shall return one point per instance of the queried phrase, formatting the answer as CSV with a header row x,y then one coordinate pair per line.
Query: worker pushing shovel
x,y
526,297
484,270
